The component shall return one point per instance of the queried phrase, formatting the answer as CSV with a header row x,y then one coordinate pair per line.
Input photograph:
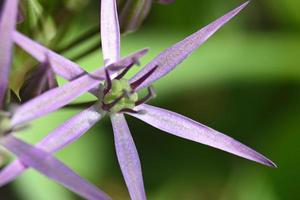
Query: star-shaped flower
x,y
118,96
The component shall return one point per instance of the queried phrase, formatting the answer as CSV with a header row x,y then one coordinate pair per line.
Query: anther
x,y
124,72
138,82
108,81
151,94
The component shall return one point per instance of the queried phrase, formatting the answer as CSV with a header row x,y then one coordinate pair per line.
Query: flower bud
x,y
38,81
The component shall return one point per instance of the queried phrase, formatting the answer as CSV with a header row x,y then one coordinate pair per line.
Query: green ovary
x,y
117,89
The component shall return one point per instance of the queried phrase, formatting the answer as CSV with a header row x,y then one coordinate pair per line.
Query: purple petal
x,y
52,168
61,65
174,55
71,130
8,20
184,127
128,157
65,134
110,31
61,96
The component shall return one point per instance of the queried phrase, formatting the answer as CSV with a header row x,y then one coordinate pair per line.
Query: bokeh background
x,y
244,81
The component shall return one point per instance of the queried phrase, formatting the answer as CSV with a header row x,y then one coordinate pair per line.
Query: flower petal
x,y
110,31
65,134
174,55
52,168
8,20
71,130
184,127
61,96
128,157
61,65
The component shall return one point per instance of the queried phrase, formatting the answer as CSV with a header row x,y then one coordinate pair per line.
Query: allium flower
x,y
118,96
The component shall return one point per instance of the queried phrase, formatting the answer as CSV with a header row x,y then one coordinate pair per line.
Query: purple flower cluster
x,y
115,95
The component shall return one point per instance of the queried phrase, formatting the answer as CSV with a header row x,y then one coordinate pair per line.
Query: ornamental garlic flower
x,y
117,96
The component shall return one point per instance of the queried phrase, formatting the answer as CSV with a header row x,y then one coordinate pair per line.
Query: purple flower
x,y
116,97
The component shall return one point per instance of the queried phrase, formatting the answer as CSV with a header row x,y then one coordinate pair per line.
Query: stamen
x,y
108,106
138,82
80,105
151,94
129,110
108,81
81,74
124,72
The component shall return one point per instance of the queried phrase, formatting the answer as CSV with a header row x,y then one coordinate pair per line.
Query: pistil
x,y
118,95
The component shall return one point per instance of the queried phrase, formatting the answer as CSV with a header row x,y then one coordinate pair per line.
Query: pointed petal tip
x,y
174,55
245,4
269,163
261,159
143,51
184,127
240,8
139,54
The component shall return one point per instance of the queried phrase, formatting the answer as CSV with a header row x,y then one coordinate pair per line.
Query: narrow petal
x,y
65,134
61,65
110,31
52,168
174,55
8,20
184,127
61,96
128,157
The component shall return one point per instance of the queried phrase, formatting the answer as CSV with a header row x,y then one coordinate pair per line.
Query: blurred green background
x,y
244,82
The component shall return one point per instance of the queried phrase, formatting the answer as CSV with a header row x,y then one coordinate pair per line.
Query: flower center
x,y
120,97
